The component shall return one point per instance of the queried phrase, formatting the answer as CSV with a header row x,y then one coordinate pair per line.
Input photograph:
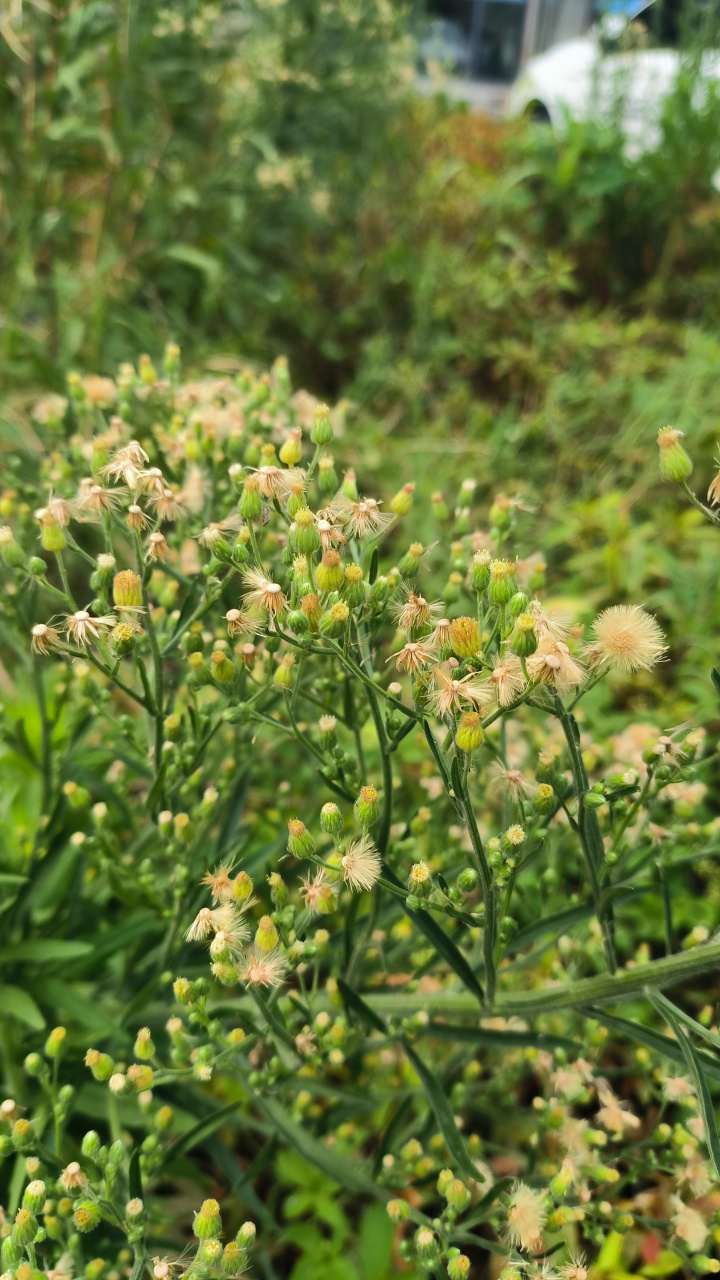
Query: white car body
x,y
579,80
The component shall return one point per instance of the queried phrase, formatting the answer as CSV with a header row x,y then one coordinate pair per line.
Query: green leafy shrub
x,y
331,865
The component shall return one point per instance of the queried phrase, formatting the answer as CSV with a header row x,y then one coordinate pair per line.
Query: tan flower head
x,y
448,694
219,883
156,548
92,499
526,1218
276,482
414,611
361,864
262,968
628,638
263,593
82,628
362,519
43,638
507,678
411,657
552,664
150,481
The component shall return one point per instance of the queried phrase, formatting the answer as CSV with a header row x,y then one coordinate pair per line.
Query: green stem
x,y
385,761
589,834
157,661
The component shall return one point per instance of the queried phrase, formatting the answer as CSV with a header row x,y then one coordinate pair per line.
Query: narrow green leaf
x,y
7,878
19,1004
199,1132
233,812
347,1173
374,561
667,1010
440,1104
156,790
651,1039
715,677
355,1002
501,1039
263,1157
43,950
135,1185
389,1137
697,1028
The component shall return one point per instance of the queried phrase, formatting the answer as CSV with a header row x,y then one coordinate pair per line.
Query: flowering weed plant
x,y
319,804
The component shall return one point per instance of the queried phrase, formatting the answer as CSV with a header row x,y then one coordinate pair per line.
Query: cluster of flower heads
x,y
275,948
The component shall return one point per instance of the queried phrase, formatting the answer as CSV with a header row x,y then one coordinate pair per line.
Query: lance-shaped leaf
x,y
438,1100
668,1011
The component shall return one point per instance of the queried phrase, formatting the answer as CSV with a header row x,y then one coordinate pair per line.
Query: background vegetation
x,y
255,179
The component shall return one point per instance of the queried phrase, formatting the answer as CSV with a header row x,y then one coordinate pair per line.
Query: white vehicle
x,y
626,63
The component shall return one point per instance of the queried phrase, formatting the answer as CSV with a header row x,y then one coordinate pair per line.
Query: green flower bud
x,y
54,1042
304,536
544,801
207,1222
439,507
291,449
91,1144
266,935
52,537
300,843
458,1267
334,622
22,1135
37,566
403,500
524,642
419,880
34,1065
297,622
380,590
397,1210
331,819
502,584
25,1228
469,734
467,880
329,573
250,504
480,571
86,1216
246,1235
464,637
517,604
321,431
34,1196
409,566
367,807
427,1246
675,464
326,474
353,587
